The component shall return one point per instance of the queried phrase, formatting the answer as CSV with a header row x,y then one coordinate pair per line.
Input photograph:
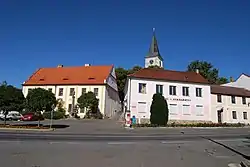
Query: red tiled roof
x,y
82,75
168,75
228,90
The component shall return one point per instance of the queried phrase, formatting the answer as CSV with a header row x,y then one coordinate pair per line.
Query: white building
x,y
230,104
187,94
68,84
242,82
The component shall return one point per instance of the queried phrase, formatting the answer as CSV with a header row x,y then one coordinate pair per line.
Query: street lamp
x,y
51,115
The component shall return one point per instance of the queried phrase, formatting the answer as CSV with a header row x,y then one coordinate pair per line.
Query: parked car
x,y
12,115
32,117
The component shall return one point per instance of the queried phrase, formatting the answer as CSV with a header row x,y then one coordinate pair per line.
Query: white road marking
x,y
120,143
234,165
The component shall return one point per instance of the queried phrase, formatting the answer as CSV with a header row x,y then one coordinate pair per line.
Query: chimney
x,y
231,79
197,71
87,65
60,66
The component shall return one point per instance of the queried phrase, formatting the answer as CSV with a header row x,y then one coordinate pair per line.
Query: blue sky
x,y
46,33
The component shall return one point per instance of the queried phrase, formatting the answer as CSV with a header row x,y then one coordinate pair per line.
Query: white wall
x,y
156,60
228,107
136,99
242,82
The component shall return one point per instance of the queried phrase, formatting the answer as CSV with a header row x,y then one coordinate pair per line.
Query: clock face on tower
x,y
151,61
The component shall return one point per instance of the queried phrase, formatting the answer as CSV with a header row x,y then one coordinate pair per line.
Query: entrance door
x,y
219,116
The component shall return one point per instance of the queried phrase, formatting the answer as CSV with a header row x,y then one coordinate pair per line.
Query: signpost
x,y
51,115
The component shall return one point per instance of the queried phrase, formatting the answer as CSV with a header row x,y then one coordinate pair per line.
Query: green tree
x,y
121,77
39,99
208,71
159,110
90,102
11,99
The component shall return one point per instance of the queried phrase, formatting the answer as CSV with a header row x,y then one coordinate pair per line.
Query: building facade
x,y
69,83
187,94
230,104
242,82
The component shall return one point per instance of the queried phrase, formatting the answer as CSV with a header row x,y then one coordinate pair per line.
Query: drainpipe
x,y
129,93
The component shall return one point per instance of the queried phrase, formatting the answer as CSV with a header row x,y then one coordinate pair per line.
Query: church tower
x,y
153,57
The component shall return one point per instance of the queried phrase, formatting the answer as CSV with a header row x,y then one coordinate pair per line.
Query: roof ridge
x,y
78,66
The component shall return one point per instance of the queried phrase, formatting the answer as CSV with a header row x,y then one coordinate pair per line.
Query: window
x,y
142,88
60,93
244,100
233,99
71,91
244,115
199,110
186,109
173,110
185,91
96,91
234,114
219,100
84,90
50,89
172,90
69,108
159,89
198,92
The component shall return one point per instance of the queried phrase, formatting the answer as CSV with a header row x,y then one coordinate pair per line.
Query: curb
x,y
245,163
23,129
190,127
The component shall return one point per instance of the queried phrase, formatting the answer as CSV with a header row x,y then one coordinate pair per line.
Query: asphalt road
x,y
106,144
34,153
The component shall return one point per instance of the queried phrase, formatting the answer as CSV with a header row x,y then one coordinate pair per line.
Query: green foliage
x,y
208,71
121,77
60,107
11,98
56,115
39,99
159,110
222,80
89,101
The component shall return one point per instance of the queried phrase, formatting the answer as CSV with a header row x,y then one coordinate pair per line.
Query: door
x,y
219,116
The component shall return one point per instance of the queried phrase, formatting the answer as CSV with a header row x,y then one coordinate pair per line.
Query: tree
x,y
121,77
159,110
39,99
208,71
11,99
90,102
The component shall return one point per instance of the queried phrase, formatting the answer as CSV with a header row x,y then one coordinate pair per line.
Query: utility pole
x,y
51,115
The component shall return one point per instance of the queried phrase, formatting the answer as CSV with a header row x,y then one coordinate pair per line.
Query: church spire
x,y
154,49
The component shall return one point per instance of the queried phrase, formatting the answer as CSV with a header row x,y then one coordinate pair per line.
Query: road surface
x,y
116,150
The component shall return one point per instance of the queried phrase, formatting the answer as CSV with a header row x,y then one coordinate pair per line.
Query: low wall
x,y
147,121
